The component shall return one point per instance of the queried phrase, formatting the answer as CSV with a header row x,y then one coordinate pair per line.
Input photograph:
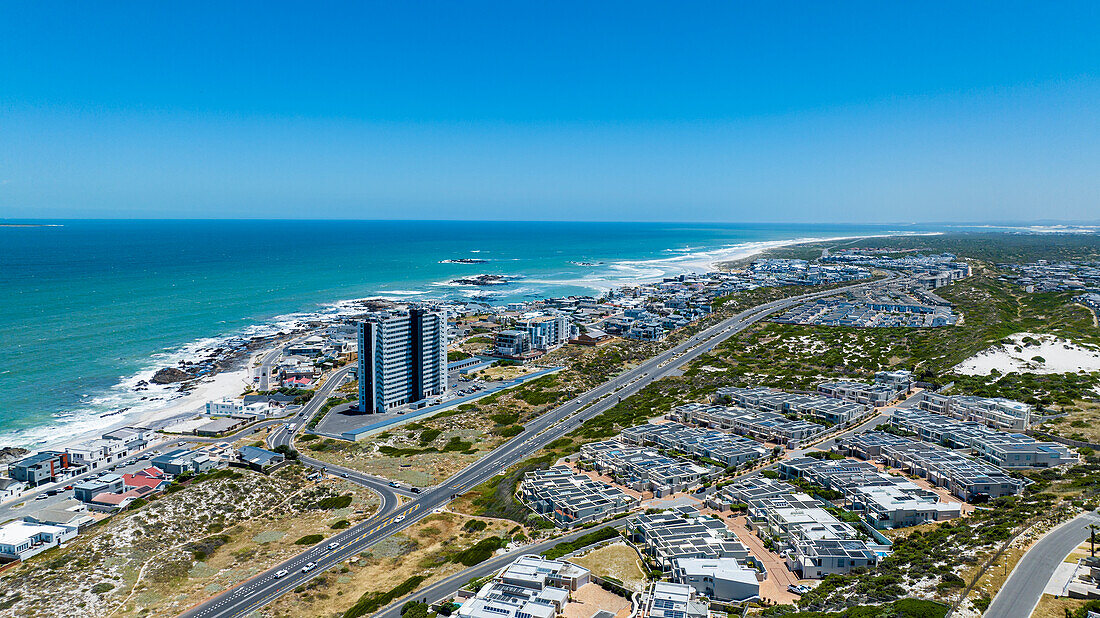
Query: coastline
x,y
166,403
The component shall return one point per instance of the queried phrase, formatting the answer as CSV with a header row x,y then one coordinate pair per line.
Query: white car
x,y
308,567
398,519
333,545
281,573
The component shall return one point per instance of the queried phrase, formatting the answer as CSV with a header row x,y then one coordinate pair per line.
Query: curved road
x,y
264,588
1024,587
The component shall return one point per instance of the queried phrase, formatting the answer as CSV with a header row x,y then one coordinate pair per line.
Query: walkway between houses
x,y
774,588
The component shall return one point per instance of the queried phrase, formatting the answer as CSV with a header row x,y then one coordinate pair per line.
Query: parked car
x,y
281,573
41,497
308,567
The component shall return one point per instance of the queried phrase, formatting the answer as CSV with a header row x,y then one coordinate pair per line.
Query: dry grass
x,y
1082,422
179,548
418,550
1051,607
618,561
250,552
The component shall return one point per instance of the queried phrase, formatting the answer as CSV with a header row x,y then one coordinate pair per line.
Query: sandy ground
x,y
774,588
590,598
1059,356
226,384
617,560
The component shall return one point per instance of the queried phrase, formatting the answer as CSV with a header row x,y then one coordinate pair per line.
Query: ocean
x,y
91,307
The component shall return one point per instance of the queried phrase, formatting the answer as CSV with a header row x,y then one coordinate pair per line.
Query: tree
x,y
286,451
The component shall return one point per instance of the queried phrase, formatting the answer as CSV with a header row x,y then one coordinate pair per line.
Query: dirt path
x,y
774,588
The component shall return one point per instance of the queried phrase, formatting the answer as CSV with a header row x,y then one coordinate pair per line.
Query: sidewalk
x,y
774,588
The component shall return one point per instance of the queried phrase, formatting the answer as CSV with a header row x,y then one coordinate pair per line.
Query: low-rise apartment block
x,y
876,394
996,412
884,500
1007,450
770,426
39,468
683,533
814,541
644,469
724,448
237,408
669,600
720,579
568,499
817,407
965,477
530,587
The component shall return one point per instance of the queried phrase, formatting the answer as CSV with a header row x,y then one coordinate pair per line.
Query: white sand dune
x,y
1057,355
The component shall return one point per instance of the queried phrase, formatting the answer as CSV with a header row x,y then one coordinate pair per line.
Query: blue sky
x,y
807,112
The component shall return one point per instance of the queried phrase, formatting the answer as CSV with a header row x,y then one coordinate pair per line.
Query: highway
x,y
1024,587
264,588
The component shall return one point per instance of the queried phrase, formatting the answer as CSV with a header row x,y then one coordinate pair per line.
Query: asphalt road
x,y
264,588
447,587
1021,593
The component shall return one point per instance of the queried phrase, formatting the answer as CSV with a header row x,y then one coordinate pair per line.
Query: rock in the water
x,y
11,453
169,375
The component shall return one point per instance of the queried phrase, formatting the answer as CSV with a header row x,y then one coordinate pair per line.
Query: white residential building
x,y
720,579
530,587
20,540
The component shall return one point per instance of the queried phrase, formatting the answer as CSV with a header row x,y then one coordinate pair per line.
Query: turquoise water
x,y
87,305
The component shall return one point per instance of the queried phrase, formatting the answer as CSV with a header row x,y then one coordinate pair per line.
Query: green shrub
x,y
334,502
474,525
480,552
310,539
569,547
371,602
511,430
102,587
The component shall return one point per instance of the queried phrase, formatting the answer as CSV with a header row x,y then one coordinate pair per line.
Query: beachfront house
x,y
39,468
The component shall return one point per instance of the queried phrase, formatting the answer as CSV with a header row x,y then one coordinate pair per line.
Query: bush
x,y
480,552
569,547
340,525
511,430
102,587
334,502
287,452
310,539
414,609
504,419
371,602
474,525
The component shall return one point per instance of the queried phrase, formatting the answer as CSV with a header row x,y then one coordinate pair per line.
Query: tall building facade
x,y
402,359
